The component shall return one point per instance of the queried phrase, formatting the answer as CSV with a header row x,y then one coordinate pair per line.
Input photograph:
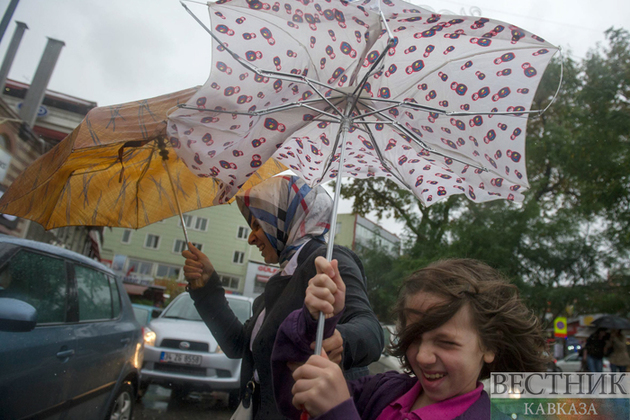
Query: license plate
x,y
179,358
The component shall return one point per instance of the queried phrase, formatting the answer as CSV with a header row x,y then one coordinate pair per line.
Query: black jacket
x,y
361,332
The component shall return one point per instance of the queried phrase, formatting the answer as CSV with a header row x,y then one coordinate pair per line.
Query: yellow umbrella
x,y
111,171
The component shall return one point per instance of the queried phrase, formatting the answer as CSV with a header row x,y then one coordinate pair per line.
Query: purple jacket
x,y
370,394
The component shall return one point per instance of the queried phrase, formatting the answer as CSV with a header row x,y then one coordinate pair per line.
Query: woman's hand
x,y
197,267
319,386
333,346
326,291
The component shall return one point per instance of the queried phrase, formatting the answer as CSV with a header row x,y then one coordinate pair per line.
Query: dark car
x,y
70,344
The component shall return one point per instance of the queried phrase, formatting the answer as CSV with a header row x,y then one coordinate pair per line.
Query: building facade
x,y
355,231
154,252
20,146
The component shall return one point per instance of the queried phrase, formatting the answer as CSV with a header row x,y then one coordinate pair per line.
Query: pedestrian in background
x,y
288,221
619,358
594,350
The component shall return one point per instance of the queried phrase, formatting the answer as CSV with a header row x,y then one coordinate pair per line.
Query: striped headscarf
x,y
289,212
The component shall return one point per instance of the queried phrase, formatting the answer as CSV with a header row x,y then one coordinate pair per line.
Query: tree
x,y
573,227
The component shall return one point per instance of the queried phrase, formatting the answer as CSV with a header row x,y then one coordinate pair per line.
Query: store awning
x,y
262,279
135,289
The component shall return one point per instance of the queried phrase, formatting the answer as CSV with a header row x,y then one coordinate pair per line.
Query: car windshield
x,y
183,308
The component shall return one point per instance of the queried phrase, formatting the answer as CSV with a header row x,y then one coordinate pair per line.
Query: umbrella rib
x,y
95,213
331,156
323,97
418,107
233,54
271,110
422,144
397,125
338,119
251,67
382,158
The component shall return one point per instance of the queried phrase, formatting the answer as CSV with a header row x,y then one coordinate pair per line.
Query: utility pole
x,y
7,17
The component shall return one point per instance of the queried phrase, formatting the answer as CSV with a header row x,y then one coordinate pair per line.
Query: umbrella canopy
x,y
437,103
109,172
612,322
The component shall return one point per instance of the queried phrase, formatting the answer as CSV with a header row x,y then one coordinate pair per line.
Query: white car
x,y
180,352
386,362
573,362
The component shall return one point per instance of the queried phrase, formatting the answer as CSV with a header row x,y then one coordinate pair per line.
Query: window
x,y
140,267
95,296
39,280
188,219
238,257
243,232
195,222
201,224
180,245
167,271
126,236
230,282
152,241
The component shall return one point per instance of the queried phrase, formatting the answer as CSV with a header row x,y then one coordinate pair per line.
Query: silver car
x,y
180,352
573,363
386,362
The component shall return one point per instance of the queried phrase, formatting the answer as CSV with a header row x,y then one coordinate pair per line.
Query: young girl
x,y
458,320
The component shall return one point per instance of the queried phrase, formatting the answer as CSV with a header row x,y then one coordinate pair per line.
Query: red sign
x,y
266,269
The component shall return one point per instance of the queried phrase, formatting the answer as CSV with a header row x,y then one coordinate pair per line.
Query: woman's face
x,y
448,359
258,238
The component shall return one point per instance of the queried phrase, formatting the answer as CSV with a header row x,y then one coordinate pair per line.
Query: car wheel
x,y
233,400
122,406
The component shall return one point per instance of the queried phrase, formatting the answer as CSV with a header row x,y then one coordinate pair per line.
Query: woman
x,y
288,221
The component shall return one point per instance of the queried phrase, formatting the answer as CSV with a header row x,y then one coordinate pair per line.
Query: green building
x,y
155,250
221,232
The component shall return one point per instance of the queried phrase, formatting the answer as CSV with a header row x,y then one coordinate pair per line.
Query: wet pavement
x,y
158,404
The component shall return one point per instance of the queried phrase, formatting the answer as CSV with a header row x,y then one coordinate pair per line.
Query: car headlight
x,y
218,349
149,337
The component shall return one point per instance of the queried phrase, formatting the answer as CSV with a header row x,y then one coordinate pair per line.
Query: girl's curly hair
x,y
504,324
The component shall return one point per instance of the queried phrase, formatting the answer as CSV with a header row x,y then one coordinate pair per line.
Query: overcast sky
x,y
122,50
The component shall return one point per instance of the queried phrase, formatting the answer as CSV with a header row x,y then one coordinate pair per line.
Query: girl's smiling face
x,y
448,359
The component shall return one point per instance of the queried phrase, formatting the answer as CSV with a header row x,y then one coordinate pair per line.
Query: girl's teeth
x,y
434,376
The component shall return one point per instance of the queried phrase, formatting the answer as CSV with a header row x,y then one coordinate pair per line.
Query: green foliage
x,y
573,228
385,276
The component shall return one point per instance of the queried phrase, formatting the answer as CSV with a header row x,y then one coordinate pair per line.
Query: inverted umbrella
x,y
437,103
612,322
115,169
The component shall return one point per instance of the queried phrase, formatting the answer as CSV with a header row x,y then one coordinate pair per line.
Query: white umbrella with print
x,y
436,103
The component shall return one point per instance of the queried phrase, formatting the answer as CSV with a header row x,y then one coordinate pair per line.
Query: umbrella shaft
x,y
179,209
345,127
